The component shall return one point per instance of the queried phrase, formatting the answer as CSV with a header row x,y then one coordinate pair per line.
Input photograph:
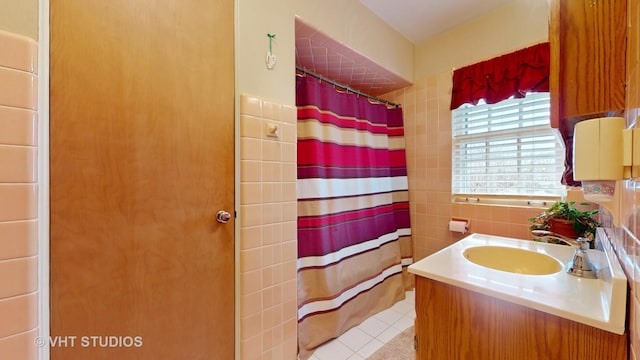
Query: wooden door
x,y
142,119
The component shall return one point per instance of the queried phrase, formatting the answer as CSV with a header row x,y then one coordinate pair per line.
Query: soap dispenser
x,y
601,158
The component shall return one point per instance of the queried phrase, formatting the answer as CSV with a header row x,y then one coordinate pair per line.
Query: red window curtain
x,y
494,80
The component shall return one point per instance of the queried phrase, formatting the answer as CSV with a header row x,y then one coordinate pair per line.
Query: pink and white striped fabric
x,y
354,228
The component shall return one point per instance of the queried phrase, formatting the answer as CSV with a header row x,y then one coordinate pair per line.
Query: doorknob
x,y
223,217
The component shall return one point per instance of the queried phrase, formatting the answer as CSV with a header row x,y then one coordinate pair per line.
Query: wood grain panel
x,y
454,323
633,60
588,42
142,120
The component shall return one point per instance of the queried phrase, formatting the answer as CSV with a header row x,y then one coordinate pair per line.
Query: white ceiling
x,y
418,20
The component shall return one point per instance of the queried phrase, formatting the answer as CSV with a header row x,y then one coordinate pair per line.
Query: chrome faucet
x,y
580,265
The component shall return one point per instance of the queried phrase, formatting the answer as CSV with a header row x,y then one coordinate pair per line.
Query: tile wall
x,y
428,137
268,218
18,197
627,244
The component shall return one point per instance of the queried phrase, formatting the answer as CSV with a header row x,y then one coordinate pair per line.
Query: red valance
x,y
494,80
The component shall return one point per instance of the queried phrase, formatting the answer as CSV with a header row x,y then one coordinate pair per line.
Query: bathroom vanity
x,y
469,311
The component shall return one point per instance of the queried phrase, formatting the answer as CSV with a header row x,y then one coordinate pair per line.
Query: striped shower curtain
x,y
353,211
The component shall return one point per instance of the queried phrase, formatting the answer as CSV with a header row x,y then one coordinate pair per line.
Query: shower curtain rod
x,y
347,88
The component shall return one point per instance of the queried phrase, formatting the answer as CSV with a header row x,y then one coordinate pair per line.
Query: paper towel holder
x,y
602,157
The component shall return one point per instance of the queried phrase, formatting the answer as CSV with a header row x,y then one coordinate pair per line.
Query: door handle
x,y
223,217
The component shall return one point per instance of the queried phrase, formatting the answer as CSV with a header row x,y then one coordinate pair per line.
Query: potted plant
x,y
565,219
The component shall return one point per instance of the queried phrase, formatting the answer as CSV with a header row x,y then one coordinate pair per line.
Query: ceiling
x,y
417,20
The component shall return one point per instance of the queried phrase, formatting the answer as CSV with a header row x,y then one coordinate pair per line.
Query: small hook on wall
x,y
271,58
271,37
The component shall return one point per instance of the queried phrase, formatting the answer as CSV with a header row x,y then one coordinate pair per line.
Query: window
x,y
507,148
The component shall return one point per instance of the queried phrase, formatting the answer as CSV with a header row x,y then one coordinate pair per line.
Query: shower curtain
x,y
354,229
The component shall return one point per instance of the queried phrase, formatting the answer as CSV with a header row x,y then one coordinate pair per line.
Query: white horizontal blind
x,y
507,148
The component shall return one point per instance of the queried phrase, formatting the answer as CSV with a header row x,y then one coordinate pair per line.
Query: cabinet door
x,y
588,43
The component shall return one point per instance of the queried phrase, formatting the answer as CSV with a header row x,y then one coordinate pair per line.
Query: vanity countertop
x,y
600,303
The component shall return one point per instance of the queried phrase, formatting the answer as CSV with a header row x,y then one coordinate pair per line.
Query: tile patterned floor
x,y
362,341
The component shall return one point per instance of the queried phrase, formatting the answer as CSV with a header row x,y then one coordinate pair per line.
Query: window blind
x,y
507,148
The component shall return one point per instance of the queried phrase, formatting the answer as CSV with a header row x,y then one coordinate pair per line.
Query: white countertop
x,y
600,303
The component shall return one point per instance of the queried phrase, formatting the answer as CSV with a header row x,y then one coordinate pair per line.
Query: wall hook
x,y
271,58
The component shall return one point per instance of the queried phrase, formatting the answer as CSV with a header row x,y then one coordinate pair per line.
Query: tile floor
x,y
362,341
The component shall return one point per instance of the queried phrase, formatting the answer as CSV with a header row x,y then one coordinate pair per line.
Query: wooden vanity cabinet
x,y
588,45
455,323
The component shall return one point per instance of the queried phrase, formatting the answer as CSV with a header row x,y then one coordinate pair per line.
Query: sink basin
x,y
513,260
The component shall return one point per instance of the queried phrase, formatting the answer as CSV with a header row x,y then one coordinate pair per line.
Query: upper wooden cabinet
x,y
588,45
